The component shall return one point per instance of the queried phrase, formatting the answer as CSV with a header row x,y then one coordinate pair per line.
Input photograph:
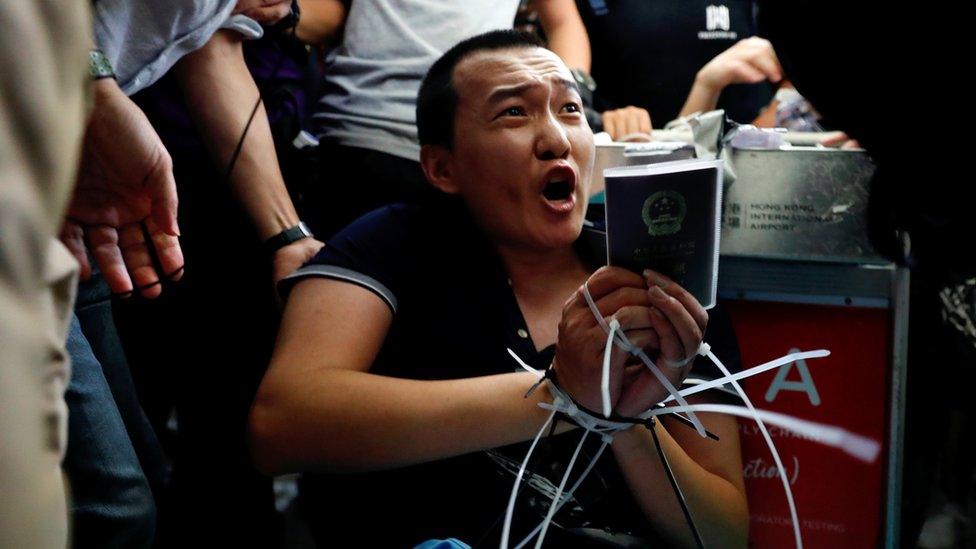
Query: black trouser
x,y
200,349
352,181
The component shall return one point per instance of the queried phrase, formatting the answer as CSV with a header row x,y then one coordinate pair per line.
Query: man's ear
x,y
436,163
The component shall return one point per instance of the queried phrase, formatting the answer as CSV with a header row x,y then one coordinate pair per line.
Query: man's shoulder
x,y
391,225
401,235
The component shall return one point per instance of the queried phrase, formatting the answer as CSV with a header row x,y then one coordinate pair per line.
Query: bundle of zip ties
x,y
605,427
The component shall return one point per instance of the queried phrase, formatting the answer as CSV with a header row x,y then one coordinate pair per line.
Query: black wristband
x,y
287,236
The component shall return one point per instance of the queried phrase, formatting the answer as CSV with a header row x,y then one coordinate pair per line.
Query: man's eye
x,y
512,111
572,108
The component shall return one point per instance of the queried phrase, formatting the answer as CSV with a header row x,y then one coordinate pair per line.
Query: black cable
x,y
274,73
240,142
676,488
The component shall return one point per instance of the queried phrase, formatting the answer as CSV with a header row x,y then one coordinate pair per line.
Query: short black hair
x,y
437,100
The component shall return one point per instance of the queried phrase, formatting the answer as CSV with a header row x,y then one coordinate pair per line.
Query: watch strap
x,y
99,66
287,236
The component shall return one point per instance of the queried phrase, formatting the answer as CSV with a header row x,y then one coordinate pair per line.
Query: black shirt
x,y
647,52
455,315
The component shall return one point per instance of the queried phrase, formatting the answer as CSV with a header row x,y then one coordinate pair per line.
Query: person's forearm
x,y
575,53
717,507
220,94
702,98
343,420
565,31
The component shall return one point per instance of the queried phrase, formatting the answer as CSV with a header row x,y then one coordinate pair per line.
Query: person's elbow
x,y
738,532
267,431
733,528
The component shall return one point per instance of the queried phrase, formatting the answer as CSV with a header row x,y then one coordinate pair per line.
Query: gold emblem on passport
x,y
663,213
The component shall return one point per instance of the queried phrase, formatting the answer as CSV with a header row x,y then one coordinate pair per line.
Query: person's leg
x,y
94,311
112,504
218,323
230,319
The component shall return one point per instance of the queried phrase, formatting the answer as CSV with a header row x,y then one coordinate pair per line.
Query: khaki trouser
x,y
43,100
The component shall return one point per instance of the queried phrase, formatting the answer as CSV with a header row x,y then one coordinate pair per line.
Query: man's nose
x,y
552,142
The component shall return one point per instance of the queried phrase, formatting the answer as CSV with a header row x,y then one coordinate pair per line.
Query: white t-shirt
x,y
143,39
373,77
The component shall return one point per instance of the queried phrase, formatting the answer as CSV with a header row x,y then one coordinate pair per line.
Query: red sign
x,y
839,499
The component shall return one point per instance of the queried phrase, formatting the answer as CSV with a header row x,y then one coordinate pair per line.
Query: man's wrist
x,y
706,83
632,439
542,394
289,236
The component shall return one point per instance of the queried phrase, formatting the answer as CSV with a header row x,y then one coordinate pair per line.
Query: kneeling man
x,y
391,382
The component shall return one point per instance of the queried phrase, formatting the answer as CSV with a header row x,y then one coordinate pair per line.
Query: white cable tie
x,y
673,391
770,444
605,378
510,510
569,493
773,364
645,359
677,365
859,446
703,350
562,403
559,492
537,373
593,308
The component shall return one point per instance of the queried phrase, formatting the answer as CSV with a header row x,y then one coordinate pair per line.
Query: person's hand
x,y
125,183
678,322
266,12
634,123
651,319
291,257
840,140
749,61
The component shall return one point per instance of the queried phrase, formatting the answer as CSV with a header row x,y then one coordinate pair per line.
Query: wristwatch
x,y
287,237
586,84
99,66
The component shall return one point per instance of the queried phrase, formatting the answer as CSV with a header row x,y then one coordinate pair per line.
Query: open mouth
x,y
557,190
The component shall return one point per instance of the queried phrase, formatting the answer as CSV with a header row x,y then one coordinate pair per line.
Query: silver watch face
x,y
584,79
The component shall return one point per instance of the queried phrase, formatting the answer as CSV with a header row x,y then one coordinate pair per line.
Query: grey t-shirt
x,y
373,77
143,39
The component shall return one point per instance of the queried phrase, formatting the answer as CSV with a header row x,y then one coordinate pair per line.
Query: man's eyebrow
x,y
571,85
507,92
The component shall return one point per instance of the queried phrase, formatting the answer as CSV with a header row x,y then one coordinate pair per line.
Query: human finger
x,y
678,292
103,241
138,261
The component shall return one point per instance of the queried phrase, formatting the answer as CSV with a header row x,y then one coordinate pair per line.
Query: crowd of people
x,y
245,238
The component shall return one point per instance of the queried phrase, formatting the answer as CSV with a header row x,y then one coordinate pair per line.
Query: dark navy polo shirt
x,y
454,316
